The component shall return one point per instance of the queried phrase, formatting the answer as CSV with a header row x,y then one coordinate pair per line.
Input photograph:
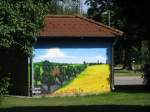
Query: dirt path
x,y
128,80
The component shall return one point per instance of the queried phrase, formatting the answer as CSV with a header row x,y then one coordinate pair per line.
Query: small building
x,y
68,33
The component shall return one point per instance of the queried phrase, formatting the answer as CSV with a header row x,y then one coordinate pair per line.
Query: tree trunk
x,y
36,83
127,62
49,88
148,52
139,52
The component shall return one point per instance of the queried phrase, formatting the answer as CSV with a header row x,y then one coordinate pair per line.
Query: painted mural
x,y
71,71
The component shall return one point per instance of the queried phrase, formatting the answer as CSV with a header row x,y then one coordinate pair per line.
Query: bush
x,y
4,84
146,74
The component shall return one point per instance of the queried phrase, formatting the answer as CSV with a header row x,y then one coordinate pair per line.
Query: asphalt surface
x,y
128,80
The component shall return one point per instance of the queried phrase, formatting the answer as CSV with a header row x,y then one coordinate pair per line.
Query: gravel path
x,y
128,80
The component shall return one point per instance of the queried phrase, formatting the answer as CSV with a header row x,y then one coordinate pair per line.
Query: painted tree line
x,y
51,74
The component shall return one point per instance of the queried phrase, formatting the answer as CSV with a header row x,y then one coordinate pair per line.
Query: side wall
x,y
16,64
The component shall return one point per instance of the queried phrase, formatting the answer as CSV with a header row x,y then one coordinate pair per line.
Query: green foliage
x,y
97,9
105,11
145,52
146,65
136,15
37,75
64,7
136,27
4,84
146,74
130,16
71,7
47,77
20,21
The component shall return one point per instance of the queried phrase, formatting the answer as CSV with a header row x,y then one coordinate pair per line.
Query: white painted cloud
x,y
52,53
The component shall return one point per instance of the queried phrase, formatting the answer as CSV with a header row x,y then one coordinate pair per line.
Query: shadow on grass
x,y
132,88
100,108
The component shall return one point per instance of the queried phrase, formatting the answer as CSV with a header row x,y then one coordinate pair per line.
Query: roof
x,y
76,26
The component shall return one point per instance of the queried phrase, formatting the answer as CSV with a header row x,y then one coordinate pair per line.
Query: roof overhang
x,y
76,27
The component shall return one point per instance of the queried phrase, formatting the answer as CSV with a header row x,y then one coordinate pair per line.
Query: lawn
x,y
123,72
127,73
114,98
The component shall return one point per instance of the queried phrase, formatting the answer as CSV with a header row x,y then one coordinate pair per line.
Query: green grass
x,y
123,72
113,98
127,73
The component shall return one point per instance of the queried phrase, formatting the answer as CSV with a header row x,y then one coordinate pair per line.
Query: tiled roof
x,y
76,26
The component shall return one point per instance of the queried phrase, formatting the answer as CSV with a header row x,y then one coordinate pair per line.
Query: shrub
x,y
146,74
4,84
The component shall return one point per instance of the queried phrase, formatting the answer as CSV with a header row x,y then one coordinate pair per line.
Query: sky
x,y
84,6
71,55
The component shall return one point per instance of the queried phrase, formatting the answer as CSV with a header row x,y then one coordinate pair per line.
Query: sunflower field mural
x,y
71,71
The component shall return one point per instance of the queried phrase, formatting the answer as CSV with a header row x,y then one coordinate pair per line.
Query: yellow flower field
x,y
93,80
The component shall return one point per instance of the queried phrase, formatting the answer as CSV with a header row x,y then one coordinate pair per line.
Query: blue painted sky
x,y
71,55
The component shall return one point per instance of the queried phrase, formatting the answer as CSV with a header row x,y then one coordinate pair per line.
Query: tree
x,y
108,12
37,76
127,15
69,7
20,21
100,10
47,77
136,15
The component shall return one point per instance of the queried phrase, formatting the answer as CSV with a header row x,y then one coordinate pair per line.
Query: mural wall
x,y
71,71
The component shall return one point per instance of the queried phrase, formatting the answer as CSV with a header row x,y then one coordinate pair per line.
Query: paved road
x,y
128,80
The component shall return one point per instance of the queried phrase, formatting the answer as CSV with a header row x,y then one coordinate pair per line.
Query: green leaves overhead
x,y
105,11
20,21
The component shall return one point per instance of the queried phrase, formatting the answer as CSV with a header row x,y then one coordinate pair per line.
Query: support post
x,y
113,78
112,70
31,77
